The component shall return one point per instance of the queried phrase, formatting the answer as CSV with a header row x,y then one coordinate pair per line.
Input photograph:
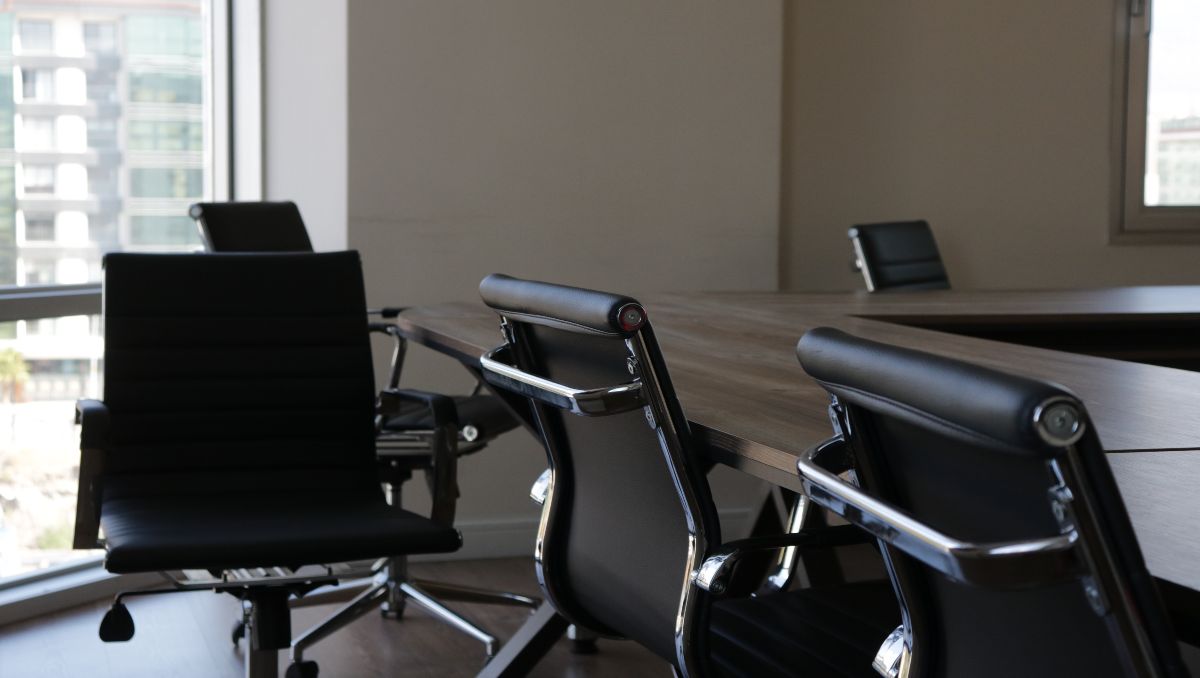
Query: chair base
x,y
392,589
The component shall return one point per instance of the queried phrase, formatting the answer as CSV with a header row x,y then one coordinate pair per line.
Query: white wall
x,y
304,76
623,145
989,119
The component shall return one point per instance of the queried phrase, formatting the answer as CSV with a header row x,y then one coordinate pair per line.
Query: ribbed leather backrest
x,y
251,226
954,445
236,364
616,556
901,255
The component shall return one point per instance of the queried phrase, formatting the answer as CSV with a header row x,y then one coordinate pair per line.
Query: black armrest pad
x,y
441,407
93,418
391,311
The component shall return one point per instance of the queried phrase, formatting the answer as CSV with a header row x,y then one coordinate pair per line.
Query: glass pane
x,y
45,366
1173,105
103,145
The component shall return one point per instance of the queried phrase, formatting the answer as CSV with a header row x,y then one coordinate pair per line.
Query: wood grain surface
x,y
732,359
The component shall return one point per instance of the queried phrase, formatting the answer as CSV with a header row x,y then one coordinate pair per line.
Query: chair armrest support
x,y
999,565
442,474
400,347
94,420
713,574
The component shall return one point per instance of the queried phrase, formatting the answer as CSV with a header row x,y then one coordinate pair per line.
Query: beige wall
x,y
989,119
304,134
624,145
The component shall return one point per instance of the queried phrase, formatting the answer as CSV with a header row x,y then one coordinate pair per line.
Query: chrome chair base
x,y
391,590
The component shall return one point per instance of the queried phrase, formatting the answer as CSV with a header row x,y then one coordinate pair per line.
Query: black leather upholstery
x,y
486,413
616,552
828,631
240,401
230,227
901,255
954,445
560,306
251,226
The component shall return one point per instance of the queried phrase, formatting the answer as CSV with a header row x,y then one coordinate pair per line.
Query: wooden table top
x,y
732,360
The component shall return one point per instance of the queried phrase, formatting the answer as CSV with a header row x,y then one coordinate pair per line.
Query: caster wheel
x,y
306,669
238,632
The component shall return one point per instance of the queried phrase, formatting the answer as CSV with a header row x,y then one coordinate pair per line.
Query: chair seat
x,y
486,413
831,631
262,529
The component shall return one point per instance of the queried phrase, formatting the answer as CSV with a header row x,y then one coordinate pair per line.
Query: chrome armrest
x,y
892,656
541,487
589,402
713,574
1013,564
94,420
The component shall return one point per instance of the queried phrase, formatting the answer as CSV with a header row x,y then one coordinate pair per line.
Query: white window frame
x,y
1133,221
235,92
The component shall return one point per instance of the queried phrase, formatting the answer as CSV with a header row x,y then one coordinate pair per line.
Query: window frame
x,y
1133,221
234,105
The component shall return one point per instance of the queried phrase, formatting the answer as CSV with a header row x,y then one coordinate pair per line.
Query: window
x,y
37,84
38,179
36,134
1160,173
102,133
102,86
35,35
166,182
147,61
165,88
39,227
99,37
102,182
163,230
165,135
158,35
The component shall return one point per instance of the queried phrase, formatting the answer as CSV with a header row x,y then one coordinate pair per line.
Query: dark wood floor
x,y
186,635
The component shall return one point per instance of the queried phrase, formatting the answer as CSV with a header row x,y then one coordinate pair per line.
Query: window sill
x,y
76,585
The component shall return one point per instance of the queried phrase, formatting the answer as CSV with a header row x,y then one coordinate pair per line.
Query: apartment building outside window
x,y
105,139
1159,110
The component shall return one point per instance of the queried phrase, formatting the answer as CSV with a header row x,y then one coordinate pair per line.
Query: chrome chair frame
x,y
1077,553
709,567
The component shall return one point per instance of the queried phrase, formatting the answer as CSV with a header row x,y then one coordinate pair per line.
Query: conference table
x,y
1128,353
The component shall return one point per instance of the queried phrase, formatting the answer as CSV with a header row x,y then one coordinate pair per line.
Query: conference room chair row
x,y
240,435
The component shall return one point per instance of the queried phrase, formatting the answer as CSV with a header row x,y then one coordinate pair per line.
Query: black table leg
x,y
528,645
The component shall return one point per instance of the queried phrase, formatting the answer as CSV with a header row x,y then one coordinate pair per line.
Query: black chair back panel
x,y
902,255
983,494
264,328
252,226
623,534
173,385
954,445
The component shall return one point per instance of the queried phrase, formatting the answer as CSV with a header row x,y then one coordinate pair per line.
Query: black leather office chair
x,y
629,540
900,255
1000,520
405,435
236,436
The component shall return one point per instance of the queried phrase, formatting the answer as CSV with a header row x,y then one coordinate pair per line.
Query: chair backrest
x,y
1003,528
629,516
900,255
226,369
251,226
